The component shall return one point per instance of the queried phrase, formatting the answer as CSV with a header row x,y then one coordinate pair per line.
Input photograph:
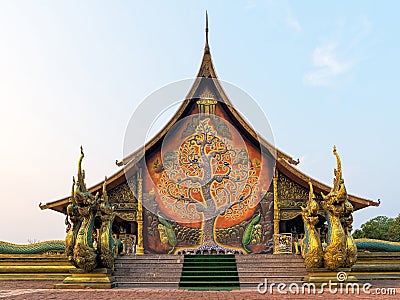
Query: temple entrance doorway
x,y
126,234
295,226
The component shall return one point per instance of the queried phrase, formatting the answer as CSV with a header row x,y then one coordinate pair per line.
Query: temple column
x,y
276,203
139,214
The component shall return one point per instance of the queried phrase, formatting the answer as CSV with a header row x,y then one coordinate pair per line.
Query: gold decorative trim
x,y
276,203
288,215
207,102
139,215
126,216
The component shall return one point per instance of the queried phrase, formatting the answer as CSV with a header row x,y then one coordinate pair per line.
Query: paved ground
x,y
42,290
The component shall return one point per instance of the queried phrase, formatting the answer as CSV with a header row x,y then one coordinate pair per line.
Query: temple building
x,y
208,183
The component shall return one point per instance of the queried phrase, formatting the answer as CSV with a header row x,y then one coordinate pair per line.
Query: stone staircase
x,y
372,266
209,272
155,271
52,267
280,268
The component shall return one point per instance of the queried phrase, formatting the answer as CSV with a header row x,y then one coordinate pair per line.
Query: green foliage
x,y
380,228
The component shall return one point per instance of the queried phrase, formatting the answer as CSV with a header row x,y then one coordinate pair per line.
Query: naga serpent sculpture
x,y
85,256
106,242
377,245
72,229
35,248
341,249
82,210
335,254
311,248
347,223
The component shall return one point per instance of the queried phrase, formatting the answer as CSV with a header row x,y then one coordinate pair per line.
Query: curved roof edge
x,y
284,162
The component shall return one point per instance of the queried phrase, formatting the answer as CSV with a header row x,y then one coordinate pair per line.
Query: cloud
x,y
331,60
293,23
328,66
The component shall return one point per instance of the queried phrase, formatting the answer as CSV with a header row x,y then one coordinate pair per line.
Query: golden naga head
x,y
310,212
71,199
81,173
104,195
338,194
81,194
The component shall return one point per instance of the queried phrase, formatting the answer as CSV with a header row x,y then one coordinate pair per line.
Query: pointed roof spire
x,y
206,67
207,48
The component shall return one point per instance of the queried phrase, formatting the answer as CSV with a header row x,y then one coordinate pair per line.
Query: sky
x,y
73,72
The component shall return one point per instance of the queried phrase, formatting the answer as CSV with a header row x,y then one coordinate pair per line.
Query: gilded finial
x,y
207,48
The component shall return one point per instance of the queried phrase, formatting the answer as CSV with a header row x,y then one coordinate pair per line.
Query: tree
x,y
206,178
381,228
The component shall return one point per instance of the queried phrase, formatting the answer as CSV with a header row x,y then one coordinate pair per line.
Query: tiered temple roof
x,y
285,164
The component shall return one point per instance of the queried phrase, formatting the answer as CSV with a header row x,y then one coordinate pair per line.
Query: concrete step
x,y
150,257
148,285
194,284
150,262
270,273
255,269
33,276
36,269
163,266
281,278
148,271
268,263
164,271
152,272
175,270
124,279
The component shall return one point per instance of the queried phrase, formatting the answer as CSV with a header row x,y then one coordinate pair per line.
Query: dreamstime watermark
x,y
338,286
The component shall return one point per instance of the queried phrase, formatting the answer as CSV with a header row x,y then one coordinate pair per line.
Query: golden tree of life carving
x,y
208,178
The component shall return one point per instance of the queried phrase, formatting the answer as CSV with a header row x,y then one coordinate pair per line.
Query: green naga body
x,y
167,230
248,232
311,248
35,248
377,245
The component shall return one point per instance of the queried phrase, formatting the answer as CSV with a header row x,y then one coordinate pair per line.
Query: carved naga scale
x,y
311,248
81,213
341,250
